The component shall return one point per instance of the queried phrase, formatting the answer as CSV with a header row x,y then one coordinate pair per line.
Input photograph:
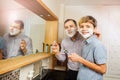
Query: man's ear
x,y
77,28
21,30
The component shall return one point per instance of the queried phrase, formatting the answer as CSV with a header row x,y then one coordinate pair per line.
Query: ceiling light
x,y
41,15
48,15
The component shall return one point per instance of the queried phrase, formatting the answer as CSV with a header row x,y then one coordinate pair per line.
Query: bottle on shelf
x,y
47,48
51,48
36,51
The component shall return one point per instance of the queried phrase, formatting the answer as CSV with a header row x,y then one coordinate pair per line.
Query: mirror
x,y
34,26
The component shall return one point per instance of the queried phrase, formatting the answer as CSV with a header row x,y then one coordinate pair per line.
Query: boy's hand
x,y
75,57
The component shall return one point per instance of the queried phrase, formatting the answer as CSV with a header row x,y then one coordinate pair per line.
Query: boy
x,y
93,58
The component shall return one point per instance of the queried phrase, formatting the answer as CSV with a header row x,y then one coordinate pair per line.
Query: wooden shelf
x,y
39,8
20,61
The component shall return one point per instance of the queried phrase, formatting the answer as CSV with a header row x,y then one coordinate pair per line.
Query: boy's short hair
x,y
20,22
70,20
89,19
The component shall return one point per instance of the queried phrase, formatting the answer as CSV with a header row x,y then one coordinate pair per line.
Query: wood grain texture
x,y
21,61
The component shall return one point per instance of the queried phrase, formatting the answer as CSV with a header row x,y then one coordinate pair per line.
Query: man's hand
x,y
55,48
23,46
98,34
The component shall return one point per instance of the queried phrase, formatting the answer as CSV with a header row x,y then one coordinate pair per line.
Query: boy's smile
x,y
86,29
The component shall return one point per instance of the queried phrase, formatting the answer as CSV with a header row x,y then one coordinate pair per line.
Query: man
x,y
16,42
73,43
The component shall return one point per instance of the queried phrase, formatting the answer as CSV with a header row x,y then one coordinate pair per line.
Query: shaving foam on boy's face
x,y
86,30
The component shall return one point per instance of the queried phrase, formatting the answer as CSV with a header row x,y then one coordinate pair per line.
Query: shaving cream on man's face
x,y
14,32
71,33
86,33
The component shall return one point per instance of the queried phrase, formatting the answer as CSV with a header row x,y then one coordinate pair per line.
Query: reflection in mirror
x,y
34,26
